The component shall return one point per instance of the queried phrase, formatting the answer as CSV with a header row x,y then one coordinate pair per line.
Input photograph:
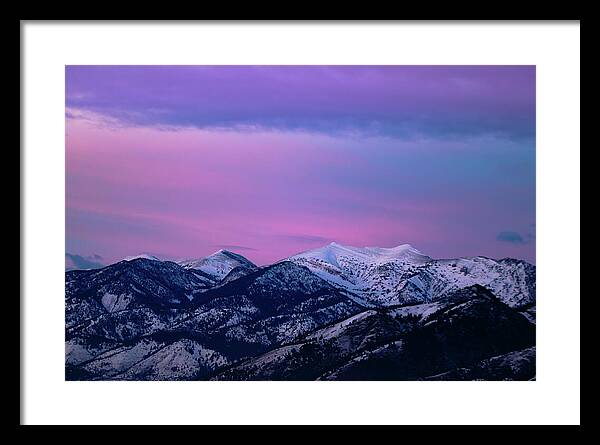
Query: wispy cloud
x,y
74,261
511,237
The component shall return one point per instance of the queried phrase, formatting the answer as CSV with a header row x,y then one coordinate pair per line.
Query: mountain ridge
x,y
147,319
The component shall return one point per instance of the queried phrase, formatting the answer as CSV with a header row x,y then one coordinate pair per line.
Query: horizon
x,y
271,161
141,255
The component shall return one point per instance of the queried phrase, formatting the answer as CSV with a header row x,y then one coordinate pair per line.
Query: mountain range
x,y
332,313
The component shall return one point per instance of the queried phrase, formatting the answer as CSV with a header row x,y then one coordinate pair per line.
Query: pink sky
x,y
269,191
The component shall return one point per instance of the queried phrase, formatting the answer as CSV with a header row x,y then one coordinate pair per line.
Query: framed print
x,y
314,217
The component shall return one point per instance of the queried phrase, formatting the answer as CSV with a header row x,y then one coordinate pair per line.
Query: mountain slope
x,y
124,301
272,305
260,310
516,365
138,283
473,325
463,328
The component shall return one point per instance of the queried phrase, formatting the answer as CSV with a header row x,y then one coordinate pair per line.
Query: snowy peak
x,y
371,273
223,254
333,252
145,256
372,276
384,276
218,264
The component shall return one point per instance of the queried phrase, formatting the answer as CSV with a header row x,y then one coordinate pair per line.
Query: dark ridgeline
x,y
158,320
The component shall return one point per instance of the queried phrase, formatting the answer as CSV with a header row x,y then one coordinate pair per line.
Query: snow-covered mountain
x,y
93,295
337,312
219,264
403,275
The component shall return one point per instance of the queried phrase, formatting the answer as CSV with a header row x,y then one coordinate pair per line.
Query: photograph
x,y
300,223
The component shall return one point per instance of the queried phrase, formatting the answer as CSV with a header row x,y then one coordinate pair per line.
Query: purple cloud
x,y
397,101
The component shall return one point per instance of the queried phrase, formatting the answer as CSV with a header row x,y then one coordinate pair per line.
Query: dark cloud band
x,y
394,101
511,237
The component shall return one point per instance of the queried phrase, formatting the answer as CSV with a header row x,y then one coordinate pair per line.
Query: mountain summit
x,y
145,256
334,251
218,264
381,276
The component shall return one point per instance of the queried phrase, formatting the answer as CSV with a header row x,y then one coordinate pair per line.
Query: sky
x,y
269,161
